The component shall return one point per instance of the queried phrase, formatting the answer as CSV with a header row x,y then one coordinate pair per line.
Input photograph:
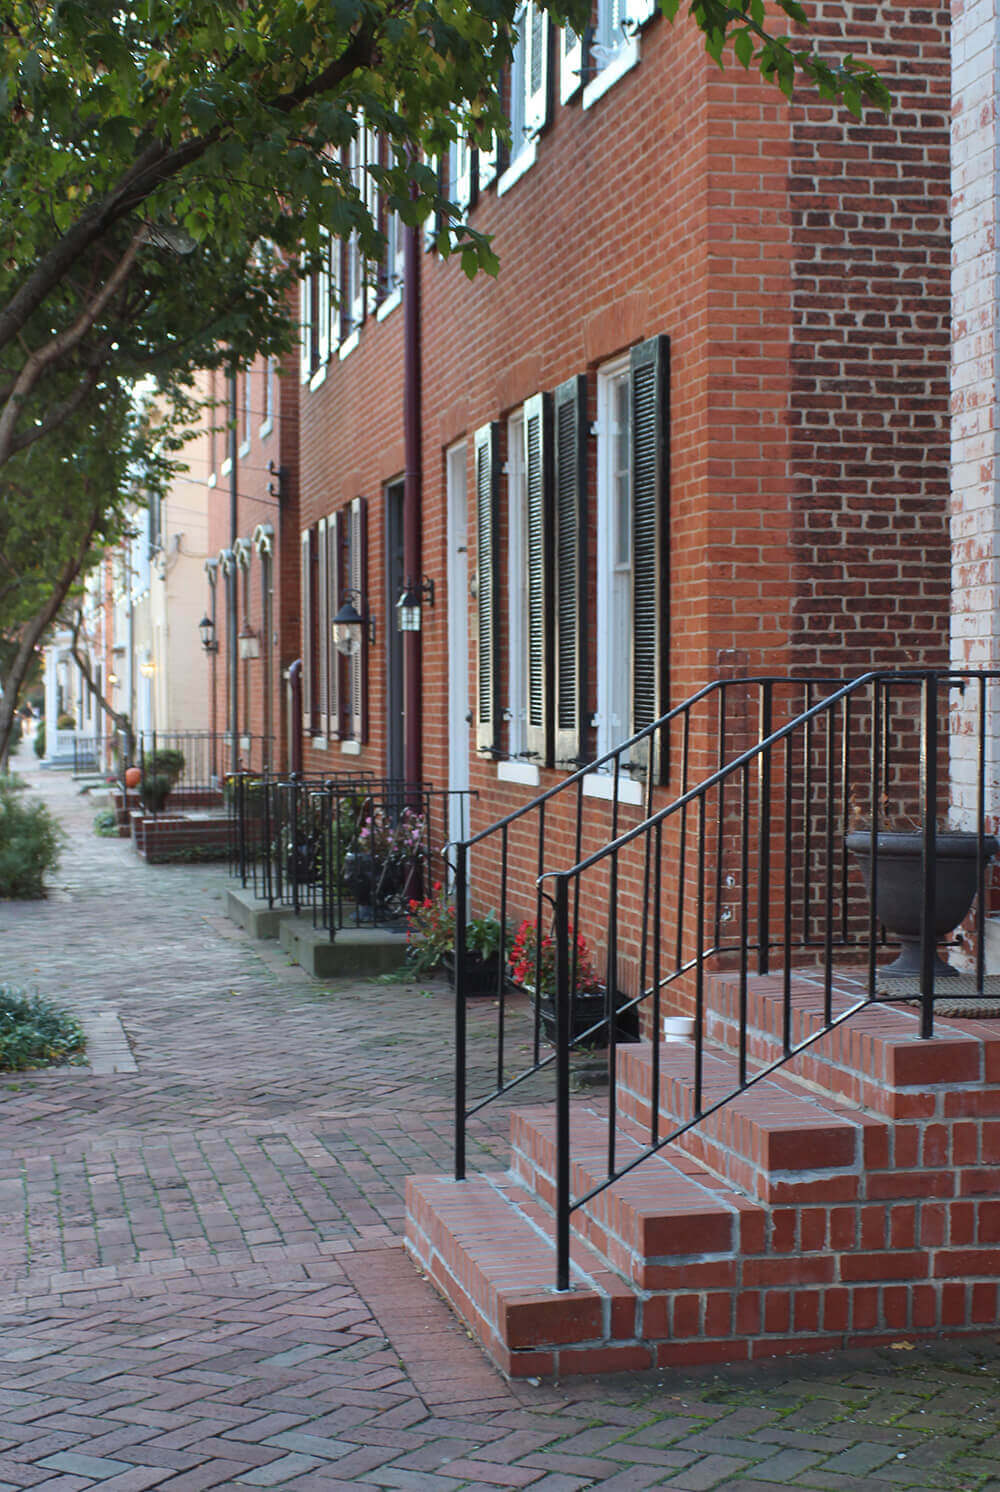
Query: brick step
x,y
667,1224
488,1247
776,1142
877,1059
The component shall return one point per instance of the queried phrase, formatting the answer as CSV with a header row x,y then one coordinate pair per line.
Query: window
x,y
246,385
267,420
517,588
528,90
614,49
460,173
487,479
391,277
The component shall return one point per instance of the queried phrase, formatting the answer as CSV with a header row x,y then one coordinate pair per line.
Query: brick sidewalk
x,y
204,1280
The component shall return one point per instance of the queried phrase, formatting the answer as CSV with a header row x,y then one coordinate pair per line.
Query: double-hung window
x,y
614,557
528,99
614,47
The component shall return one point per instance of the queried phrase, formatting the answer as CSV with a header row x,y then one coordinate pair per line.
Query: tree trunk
x,y
122,721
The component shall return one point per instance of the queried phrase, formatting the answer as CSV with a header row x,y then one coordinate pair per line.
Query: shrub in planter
x,y
66,721
30,842
160,772
40,739
35,1033
106,823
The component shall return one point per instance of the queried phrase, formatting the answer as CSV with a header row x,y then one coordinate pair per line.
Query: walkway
x,y
204,1284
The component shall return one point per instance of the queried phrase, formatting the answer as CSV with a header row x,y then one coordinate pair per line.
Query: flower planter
x,y
899,889
482,976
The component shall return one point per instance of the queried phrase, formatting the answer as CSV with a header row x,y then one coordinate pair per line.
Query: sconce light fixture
x,y
349,626
249,643
409,603
147,668
207,629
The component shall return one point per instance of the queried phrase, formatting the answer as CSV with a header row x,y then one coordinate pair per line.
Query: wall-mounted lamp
x,y
409,603
249,642
207,629
113,680
147,668
349,627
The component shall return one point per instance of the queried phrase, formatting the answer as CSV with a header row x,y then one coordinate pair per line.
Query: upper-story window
x,y
528,96
613,50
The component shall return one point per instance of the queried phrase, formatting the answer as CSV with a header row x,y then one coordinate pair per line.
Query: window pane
x,y
622,485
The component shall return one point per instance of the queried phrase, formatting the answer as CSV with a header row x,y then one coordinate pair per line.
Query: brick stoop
x,y
792,1220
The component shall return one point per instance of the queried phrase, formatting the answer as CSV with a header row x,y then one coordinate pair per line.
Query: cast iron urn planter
x,y
899,888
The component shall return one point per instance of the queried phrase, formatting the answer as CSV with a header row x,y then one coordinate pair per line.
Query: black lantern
x,y
349,627
410,601
207,629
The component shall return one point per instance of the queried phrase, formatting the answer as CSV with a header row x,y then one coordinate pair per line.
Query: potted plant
x,y
384,863
160,773
533,967
899,882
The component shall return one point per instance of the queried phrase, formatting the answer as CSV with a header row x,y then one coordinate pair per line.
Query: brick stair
x,y
847,1199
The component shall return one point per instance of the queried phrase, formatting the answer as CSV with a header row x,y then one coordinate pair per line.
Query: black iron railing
x,y
203,757
350,850
88,752
748,869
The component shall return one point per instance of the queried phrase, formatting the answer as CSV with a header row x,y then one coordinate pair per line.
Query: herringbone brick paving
x,y
204,1279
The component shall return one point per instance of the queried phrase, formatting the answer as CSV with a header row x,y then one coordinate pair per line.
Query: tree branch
x,y
83,664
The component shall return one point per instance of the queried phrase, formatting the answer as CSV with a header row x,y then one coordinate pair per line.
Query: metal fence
x,y
348,850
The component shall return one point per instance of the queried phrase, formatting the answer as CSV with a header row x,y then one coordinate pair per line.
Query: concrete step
x,y
361,952
250,912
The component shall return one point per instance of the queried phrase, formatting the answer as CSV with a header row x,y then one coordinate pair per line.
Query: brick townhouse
x,y
697,426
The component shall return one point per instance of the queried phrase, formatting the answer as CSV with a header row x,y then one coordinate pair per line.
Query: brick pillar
x,y
975,496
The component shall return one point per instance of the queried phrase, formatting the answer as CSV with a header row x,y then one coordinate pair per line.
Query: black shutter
x,y
650,379
570,538
537,426
333,606
359,581
488,581
323,616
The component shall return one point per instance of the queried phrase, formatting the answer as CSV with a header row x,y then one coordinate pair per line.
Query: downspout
x,y
232,582
412,695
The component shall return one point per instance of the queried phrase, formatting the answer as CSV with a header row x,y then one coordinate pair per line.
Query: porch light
x,y
409,604
207,629
249,643
349,627
147,668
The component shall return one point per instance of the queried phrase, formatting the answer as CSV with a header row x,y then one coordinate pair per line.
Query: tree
x,y
169,169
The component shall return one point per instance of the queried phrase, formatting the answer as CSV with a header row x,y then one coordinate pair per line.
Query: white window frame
x,y
517,588
267,423
460,172
528,110
614,632
570,64
615,49
245,413
305,328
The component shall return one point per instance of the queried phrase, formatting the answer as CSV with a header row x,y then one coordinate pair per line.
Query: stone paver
x,y
203,1278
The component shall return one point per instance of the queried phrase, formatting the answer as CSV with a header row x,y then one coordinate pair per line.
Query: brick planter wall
x,y
174,837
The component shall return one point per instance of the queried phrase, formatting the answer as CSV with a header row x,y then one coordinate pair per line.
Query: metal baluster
x,y
875,796
699,974
744,911
657,1021
501,980
611,1010
720,822
831,741
682,856
845,806
807,796
764,832
461,914
786,973
562,1082
980,832
539,931
928,808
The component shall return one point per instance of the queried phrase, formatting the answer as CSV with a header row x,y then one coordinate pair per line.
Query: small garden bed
x,y
35,1033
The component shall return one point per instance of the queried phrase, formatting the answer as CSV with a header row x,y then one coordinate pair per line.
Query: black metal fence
x,y
349,850
777,856
88,754
198,760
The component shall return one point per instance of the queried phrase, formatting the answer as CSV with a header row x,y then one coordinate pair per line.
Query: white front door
x,y
458,644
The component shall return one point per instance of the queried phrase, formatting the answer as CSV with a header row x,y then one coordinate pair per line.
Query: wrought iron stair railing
x,y
747,870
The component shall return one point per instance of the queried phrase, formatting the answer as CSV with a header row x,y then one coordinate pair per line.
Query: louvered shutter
x,y
322,627
537,435
333,606
649,458
536,68
306,582
570,570
358,582
305,328
341,542
570,63
487,570
335,281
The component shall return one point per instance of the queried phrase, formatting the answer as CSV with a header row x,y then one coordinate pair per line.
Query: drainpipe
x,y
412,715
232,579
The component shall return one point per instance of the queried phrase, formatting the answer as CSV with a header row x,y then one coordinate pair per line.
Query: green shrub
x,y
40,738
35,1033
66,721
106,823
167,762
30,842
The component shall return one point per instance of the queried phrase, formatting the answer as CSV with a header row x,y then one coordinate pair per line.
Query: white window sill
x,y
212,480
392,300
244,448
351,748
621,63
349,343
318,378
524,772
265,429
602,785
226,467
522,162
318,743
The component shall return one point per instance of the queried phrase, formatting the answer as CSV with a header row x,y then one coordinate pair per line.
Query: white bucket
x,y
678,1028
